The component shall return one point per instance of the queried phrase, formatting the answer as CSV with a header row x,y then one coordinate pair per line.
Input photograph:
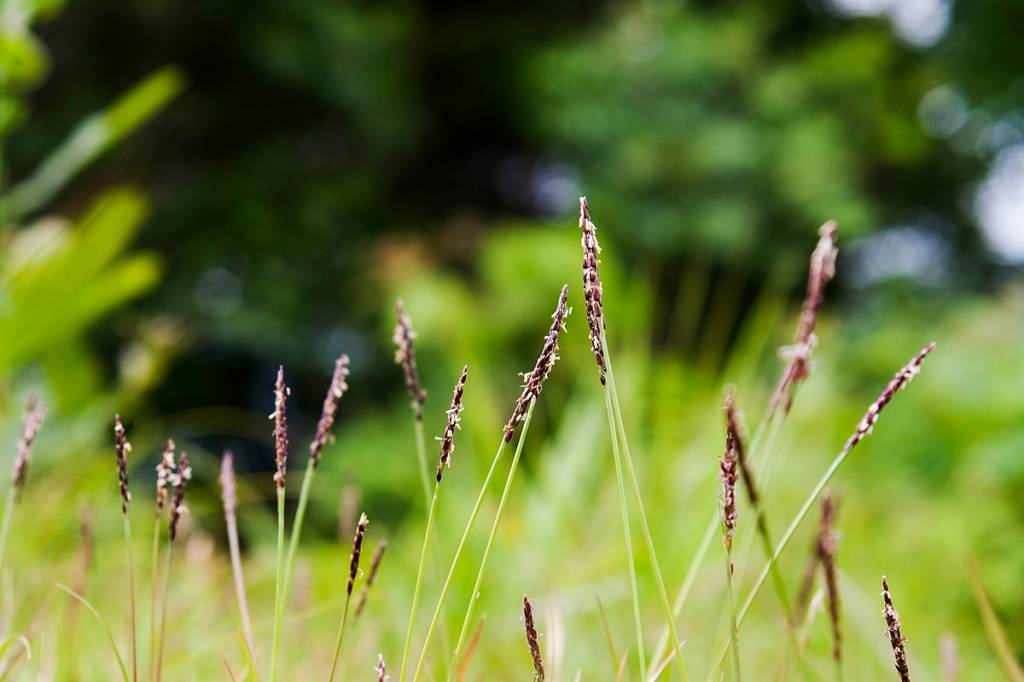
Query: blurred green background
x,y
192,193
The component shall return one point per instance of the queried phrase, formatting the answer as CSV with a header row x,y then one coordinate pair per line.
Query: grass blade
x,y
106,628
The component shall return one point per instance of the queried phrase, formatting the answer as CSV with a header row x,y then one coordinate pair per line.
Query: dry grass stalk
x,y
822,270
592,292
229,494
330,409
405,355
825,548
533,381
531,640
121,449
33,419
474,641
949,657
378,555
280,417
896,639
454,414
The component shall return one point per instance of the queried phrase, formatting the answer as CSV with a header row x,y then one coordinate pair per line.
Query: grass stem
x,y
163,612
474,595
5,525
340,638
278,587
131,594
419,581
296,533
154,561
446,586
612,392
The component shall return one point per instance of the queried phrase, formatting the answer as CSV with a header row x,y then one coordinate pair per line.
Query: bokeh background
x,y
193,193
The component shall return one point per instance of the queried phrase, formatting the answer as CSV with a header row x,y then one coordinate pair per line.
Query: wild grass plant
x,y
279,647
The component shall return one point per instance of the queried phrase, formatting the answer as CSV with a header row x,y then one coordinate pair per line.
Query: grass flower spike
x,y
532,641
405,355
330,409
896,640
454,414
533,381
592,292
280,418
34,414
353,572
371,577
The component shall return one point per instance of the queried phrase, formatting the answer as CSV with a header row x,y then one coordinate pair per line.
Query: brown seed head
x,y
902,378
896,640
821,272
592,292
164,471
330,410
531,639
280,417
533,381
180,479
381,670
228,490
729,466
121,449
357,548
405,355
454,416
734,441
378,554
33,419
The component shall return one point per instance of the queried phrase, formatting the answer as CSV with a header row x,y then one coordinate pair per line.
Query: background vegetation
x,y
194,193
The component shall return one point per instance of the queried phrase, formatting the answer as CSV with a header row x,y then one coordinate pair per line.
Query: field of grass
x,y
934,485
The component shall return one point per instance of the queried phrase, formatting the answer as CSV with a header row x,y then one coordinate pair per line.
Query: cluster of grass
x,y
450,559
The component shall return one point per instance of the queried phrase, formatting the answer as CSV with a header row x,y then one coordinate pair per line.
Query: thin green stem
x,y
786,537
154,562
300,516
421,454
5,525
734,633
630,560
278,587
475,594
644,525
341,637
458,554
163,611
131,593
419,582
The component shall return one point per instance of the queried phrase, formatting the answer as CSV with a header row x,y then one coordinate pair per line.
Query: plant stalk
x,y
278,587
475,594
131,593
341,637
419,582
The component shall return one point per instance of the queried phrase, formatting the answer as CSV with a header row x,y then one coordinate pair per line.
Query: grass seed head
x,y
533,381
405,355
593,297
121,449
181,477
330,410
164,471
357,548
822,270
33,419
729,466
734,441
280,417
902,378
825,549
381,669
896,640
532,641
378,555
454,416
